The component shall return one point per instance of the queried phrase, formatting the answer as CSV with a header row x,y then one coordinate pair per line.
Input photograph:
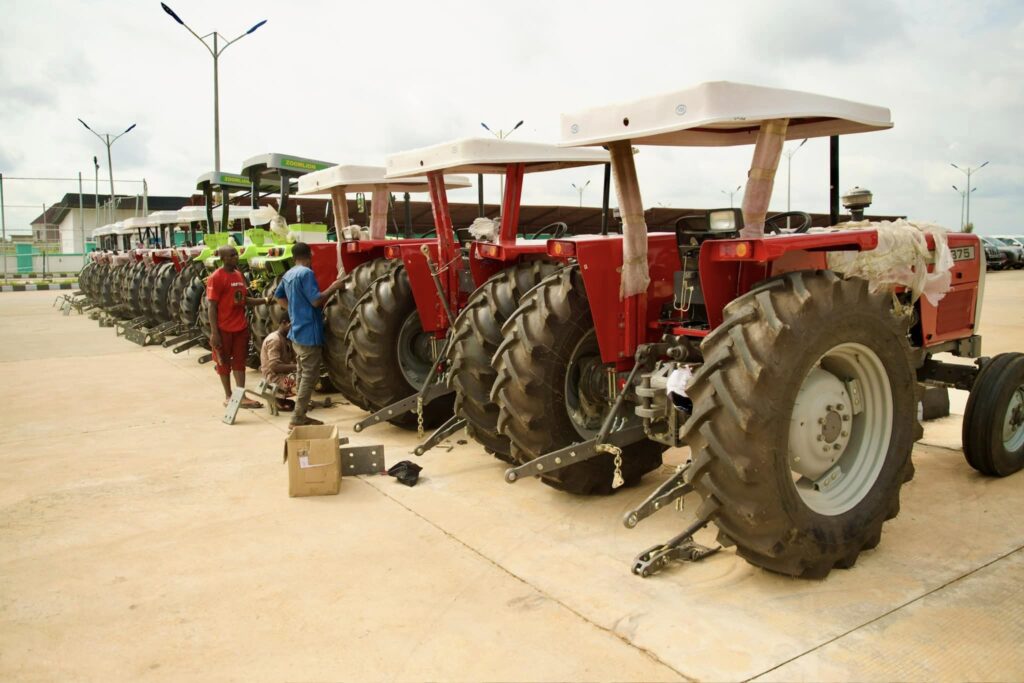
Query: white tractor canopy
x,y
489,155
164,217
349,178
138,223
103,230
124,228
190,214
717,114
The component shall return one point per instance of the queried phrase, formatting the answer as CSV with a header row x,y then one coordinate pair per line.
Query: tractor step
x,y
454,424
406,405
681,548
671,490
570,455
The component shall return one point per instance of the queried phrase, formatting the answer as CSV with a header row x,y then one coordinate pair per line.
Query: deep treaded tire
x,y
772,342
476,336
192,300
86,278
178,287
109,291
338,315
132,289
993,428
160,294
533,364
372,353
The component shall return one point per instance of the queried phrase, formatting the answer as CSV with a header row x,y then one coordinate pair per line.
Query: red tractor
x,y
791,363
360,250
421,339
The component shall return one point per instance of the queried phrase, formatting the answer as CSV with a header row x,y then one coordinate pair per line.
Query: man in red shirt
x,y
228,295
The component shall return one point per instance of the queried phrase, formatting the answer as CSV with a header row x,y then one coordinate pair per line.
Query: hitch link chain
x,y
419,417
617,480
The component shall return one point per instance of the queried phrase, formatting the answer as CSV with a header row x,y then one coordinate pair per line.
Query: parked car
x,y
1000,255
1011,240
1017,249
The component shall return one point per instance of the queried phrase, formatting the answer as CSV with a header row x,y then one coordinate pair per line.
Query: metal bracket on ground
x,y
265,390
406,405
680,548
570,455
357,460
454,424
671,490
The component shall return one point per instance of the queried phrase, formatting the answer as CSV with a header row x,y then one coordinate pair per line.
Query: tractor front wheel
x,y
552,389
804,418
993,429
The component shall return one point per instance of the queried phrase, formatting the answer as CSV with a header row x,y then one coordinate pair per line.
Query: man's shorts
x,y
233,352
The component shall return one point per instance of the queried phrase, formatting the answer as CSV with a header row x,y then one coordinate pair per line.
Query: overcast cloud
x,y
352,82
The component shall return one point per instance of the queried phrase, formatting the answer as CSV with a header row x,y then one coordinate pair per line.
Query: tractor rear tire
x,y
174,297
132,289
381,353
108,286
160,296
476,336
86,277
993,428
539,376
338,316
784,348
192,299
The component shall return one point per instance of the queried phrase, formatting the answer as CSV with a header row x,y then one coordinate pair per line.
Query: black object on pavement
x,y
406,472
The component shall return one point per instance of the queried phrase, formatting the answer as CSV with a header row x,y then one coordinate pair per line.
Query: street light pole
x,y
731,194
501,135
580,190
96,188
215,52
105,139
963,199
968,171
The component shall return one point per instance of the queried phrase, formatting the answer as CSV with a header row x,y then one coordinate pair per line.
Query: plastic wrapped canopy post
x,y
761,178
634,227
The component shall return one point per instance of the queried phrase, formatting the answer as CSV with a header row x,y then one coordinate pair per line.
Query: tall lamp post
x,y
967,172
106,140
501,135
580,189
731,194
216,51
963,199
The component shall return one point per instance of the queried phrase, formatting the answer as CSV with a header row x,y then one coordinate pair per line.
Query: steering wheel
x,y
776,224
560,229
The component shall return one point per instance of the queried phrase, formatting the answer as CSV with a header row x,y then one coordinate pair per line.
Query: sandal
x,y
308,421
250,403
285,405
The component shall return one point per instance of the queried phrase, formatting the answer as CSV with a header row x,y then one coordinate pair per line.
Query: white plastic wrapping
x,y
900,260
484,229
678,381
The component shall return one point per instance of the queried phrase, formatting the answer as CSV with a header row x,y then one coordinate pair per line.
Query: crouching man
x,y
299,293
277,363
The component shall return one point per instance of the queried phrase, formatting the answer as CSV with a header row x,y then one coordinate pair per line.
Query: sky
x,y
352,82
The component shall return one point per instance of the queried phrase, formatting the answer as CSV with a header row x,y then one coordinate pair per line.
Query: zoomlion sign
x,y
303,165
228,179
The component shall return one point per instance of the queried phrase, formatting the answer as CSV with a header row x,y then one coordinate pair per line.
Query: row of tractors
x,y
790,360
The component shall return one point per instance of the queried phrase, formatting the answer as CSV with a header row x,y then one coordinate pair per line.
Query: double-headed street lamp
x,y
501,135
963,198
580,188
215,52
731,194
967,193
108,141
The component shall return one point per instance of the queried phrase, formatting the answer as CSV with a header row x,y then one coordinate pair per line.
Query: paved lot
x,y
141,538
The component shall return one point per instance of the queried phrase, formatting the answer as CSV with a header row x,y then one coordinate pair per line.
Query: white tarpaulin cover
x,y
900,260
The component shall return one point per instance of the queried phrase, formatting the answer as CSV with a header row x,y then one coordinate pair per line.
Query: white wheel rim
x,y
840,429
1013,422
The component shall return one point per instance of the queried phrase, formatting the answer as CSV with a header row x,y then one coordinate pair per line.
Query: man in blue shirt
x,y
299,293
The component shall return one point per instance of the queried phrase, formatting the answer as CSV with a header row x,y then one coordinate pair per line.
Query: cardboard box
x,y
313,463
